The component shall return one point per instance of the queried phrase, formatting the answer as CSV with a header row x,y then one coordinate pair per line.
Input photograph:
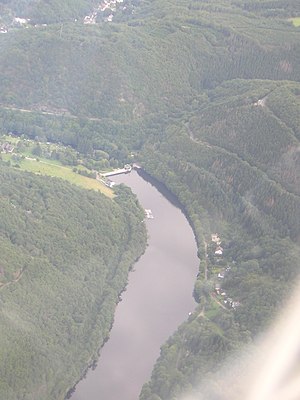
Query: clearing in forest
x,y
295,21
44,167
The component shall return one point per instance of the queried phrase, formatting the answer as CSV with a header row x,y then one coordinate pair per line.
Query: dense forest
x,y
62,270
205,95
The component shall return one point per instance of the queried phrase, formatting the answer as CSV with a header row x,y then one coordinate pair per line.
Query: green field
x,y
205,96
295,21
44,167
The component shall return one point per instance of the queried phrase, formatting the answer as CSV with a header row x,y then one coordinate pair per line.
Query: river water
x,y
158,298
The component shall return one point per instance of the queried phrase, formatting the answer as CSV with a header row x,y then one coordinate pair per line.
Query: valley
x,y
205,97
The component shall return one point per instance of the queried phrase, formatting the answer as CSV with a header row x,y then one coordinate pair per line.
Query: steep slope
x,y
62,269
44,12
206,96
234,165
156,59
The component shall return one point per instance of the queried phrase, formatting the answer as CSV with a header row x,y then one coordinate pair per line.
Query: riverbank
x,y
174,199
157,299
92,364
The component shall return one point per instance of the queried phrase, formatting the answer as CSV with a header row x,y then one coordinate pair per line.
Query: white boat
x,y
148,213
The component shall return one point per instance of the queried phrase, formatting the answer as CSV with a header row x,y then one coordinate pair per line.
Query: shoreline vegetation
x,y
81,279
93,362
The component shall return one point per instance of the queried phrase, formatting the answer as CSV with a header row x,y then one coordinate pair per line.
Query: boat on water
x,y
148,213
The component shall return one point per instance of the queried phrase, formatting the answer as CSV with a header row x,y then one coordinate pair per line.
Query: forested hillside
x,y
61,272
205,96
41,12
161,57
247,190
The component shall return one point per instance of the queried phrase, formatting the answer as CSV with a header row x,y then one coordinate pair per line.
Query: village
x,y
25,150
218,274
57,160
6,148
15,23
104,12
106,9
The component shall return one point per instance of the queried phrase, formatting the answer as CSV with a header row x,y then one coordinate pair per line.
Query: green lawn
x,y
295,21
44,167
212,310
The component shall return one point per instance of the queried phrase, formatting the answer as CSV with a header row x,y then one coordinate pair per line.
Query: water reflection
x,y
158,298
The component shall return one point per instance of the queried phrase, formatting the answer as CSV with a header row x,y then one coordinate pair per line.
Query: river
x,y
157,299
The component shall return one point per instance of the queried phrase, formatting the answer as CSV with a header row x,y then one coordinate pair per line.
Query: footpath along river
x,y
157,299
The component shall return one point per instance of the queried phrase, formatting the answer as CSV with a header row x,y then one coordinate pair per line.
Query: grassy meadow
x,y
45,167
295,21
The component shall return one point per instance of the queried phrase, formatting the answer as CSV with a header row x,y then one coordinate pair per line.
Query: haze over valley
x,y
202,98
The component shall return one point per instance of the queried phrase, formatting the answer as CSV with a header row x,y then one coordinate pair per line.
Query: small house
x,y
219,250
6,148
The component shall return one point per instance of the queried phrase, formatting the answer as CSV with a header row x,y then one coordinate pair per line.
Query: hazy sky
x,y
270,370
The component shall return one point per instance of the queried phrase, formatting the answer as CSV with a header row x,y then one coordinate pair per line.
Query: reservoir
x,y
157,299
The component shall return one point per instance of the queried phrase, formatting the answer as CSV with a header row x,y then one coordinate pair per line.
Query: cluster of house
x,y
6,148
21,21
109,7
228,301
106,5
216,239
15,23
260,102
109,183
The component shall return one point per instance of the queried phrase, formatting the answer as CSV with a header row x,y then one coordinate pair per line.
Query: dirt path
x,y
14,280
57,114
205,256
213,296
236,156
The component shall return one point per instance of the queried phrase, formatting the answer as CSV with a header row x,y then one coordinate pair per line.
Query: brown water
x,y
158,298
